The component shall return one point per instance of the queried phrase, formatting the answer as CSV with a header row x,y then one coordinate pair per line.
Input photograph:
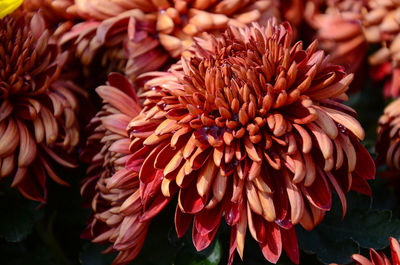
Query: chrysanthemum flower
x,y
104,9
125,43
250,128
179,21
113,189
38,124
53,10
388,143
380,258
339,30
382,26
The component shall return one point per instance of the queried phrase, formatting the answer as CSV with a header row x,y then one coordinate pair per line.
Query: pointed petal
x,y
272,248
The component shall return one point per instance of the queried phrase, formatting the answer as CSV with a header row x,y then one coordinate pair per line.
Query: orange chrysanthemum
x,y
38,124
104,9
382,26
339,30
250,128
388,143
124,43
179,21
52,10
380,259
113,189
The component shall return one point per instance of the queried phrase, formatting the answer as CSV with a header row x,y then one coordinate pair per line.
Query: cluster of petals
x,y
382,26
124,43
112,189
179,21
380,258
346,28
250,129
38,123
339,30
246,126
52,10
138,36
388,143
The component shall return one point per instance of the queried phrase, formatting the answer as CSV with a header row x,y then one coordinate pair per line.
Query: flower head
x,y
339,30
387,144
381,26
250,128
52,10
112,189
124,43
179,21
104,9
38,122
380,258
389,135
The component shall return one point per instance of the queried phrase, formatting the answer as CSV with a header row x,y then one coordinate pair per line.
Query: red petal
x,y
395,247
272,248
190,201
148,171
33,186
207,220
182,221
153,200
232,245
365,166
164,157
256,226
202,241
360,185
319,193
135,162
376,258
155,207
232,212
121,82
290,245
281,202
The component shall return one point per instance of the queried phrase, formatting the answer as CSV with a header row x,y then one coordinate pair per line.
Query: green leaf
x,y
18,218
326,246
92,255
210,256
370,229
335,240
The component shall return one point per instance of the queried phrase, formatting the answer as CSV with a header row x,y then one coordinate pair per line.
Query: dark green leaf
x,y
189,256
335,240
17,218
92,255
326,246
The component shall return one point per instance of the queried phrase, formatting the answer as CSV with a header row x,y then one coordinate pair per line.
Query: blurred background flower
x,y
112,189
38,110
339,29
125,43
382,26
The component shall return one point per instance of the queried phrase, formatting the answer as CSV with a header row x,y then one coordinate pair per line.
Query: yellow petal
x,y
8,6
